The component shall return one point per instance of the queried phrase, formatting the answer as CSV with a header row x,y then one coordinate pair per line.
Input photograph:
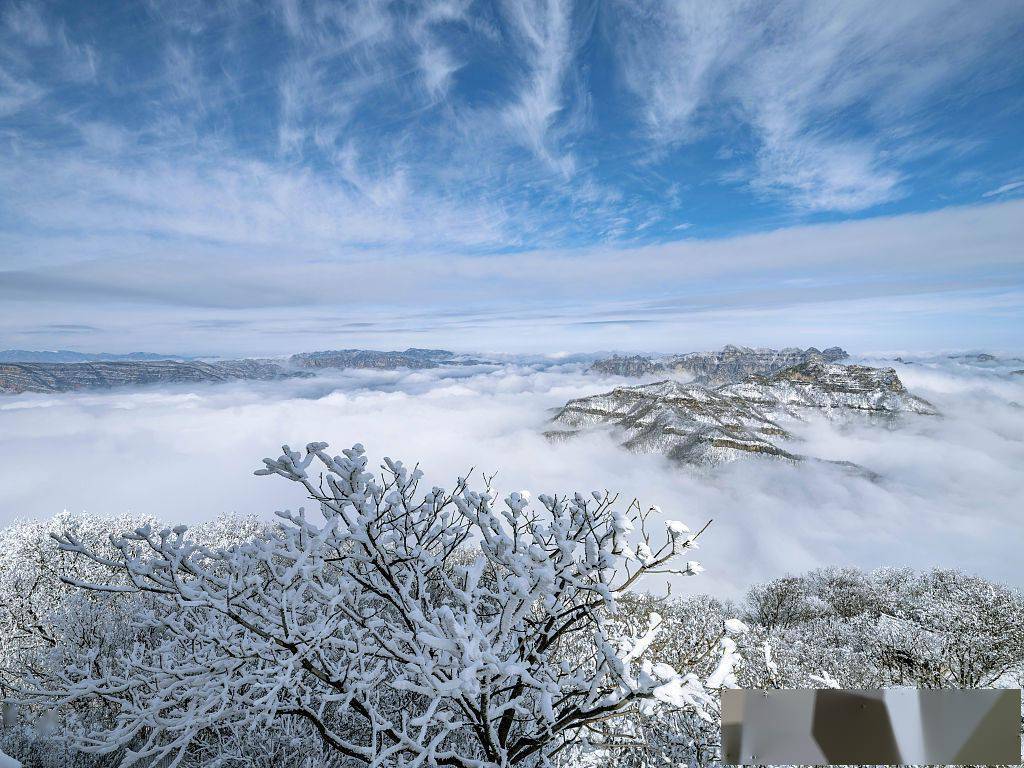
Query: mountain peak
x,y
730,364
700,425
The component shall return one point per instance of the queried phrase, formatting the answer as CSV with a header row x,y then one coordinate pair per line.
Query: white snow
x,y
736,627
676,528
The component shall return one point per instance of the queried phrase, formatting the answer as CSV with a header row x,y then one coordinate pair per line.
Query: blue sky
x,y
262,177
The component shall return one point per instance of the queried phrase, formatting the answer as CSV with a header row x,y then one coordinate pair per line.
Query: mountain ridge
x,y
69,356
730,364
16,378
699,425
413,357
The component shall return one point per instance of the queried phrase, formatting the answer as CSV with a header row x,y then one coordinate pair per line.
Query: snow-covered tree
x,y
37,576
31,569
830,627
946,629
206,644
47,623
938,628
699,634
369,621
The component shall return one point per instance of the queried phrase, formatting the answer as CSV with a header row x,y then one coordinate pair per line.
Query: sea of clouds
x,y
948,491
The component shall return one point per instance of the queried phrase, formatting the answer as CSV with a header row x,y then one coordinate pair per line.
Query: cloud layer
x,y
445,156
949,278
949,494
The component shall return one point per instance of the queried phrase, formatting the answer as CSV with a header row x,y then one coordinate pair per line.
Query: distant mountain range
x,y
67,377
707,425
730,364
67,356
29,374
369,358
984,358
64,370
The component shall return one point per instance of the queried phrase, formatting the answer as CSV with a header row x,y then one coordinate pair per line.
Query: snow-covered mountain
x,y
26,376
67,377
700,425
67,356
372,358
727,365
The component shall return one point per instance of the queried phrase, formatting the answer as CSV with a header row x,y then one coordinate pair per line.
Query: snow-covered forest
x,y
389,624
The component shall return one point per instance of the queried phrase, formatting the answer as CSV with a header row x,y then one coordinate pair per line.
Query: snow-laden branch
x,y
408,628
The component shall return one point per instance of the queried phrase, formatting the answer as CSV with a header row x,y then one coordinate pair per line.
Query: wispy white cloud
x,y
79,62
209,198
437,61
343,59
189,92
490,159
450,101
797,74
243,213
16,92
104,138
25,20
823,175
1003,189
311,93
672,56
438,65
27,38
902,277
547,41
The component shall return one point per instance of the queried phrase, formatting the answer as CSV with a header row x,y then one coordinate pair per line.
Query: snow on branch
x,y
408,627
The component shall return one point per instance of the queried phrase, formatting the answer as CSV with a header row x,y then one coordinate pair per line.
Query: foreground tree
x,y
891,627
47,625
700,635
408,629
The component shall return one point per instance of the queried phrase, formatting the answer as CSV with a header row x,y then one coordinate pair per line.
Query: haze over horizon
x,y
259,179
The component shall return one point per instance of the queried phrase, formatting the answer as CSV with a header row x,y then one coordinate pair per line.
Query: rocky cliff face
x,y
733,364
878,391
369,358
728,365
67,377
699,425
633,366
63,377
